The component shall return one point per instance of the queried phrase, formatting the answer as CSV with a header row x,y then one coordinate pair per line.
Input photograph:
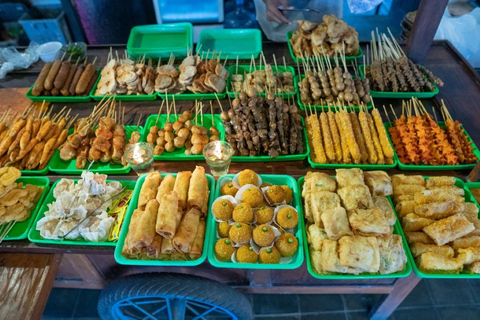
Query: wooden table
x,y
91,267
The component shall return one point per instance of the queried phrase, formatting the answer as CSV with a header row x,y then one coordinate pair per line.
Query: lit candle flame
x,y
218,151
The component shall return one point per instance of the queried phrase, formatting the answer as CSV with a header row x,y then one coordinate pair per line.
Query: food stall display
x,y
351,226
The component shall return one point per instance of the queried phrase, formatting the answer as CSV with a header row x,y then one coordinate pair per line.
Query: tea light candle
x,y
140,157
218,155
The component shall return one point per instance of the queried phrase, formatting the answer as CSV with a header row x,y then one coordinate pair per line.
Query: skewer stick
x,y
168,109
218,100
211,111
386,113
174,106
159,111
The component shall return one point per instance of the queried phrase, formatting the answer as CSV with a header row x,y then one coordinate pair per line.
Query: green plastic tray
x,y
34,235
20,229
291,157
319,107
59,166
179,154
431,167
360,166
347,58
421,274
42,172
399,95
123,97
59,98
397,230
123,233
297,259
160,40
232,43
246,69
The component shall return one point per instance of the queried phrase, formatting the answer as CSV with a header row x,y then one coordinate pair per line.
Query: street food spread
x,y
325,38
255,221
169,222
348,137
441,227
350,223
80,209
30,140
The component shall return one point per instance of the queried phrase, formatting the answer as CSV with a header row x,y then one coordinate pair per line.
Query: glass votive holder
x,y
140,157
218,155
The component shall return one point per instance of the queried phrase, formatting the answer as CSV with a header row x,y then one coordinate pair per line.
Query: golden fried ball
x,y
223,228
287,218
246,254
253,196
264,214
222,209
288,193
287,244
228,189
247,176
265,184
263,235
243,213
270,255
275,194
240,233
224,249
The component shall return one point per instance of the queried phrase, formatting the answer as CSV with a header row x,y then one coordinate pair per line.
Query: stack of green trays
x,y
468,198
397,230
231,43
20,229
398,95
299,60
179,154
403,166
59,166
123,97
319,107
161,40
34,234
242,69
297,259
126,223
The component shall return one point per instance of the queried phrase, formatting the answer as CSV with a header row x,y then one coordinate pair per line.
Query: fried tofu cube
x,y
360,253
349,177
413,222
418,237
330,262
466,242
369,222
318,181
420,248
469,255
336,223
446,230
431,262
356,197
392,254
405,207
378,182
385,206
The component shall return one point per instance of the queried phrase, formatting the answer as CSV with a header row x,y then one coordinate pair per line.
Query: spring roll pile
x,y
169,222
348,137
16,200
442,229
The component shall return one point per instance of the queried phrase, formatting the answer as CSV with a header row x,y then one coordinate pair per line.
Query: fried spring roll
x,y
128,248
443,181
196,191
179,256
154,249
167,247
187,230
205,203
146,225
181,187
167,215
197,246
167,185
149,189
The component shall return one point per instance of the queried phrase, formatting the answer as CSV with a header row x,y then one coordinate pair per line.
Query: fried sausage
x,y
85,79
62,75
91,84
55,92
64,91
52,74
76,77
38,86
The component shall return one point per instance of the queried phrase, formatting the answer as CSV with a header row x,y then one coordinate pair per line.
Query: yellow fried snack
x,y
473,268
434,262
438,210
420,248
418,237
10,176
469,255
369,222
443,181
413,222
445,230
466,242
400,179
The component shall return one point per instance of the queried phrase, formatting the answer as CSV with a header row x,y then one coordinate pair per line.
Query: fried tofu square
x,y
330,262
336,223
413,222
383,203
418,237
446,230
356,197
378,182
438,210
369,222
318,181
392,254
420,248
360,253
431,262
349,177
466,242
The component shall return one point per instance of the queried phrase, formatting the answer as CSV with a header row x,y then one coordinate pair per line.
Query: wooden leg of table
x,y
76,271
386,306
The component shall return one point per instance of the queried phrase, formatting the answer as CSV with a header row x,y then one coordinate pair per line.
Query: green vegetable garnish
x,y
250,248
269,250
224,204
239,225
227,241
290,240
289,216
265,229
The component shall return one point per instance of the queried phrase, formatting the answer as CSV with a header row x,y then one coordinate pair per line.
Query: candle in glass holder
x,y
218,155
140,157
